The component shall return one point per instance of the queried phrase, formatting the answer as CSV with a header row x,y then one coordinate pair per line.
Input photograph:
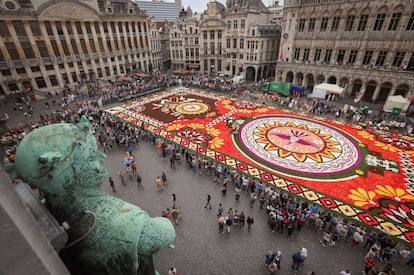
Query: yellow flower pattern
x,y
397,194
362,197
216,143
366,135
388,147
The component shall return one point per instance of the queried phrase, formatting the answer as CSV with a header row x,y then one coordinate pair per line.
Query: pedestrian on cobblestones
x,y
220,210
242,219
173,199
121,177
221,222
172,271
139,181
164,176
229,223
112,184
158,183
174,215
249,221
208,203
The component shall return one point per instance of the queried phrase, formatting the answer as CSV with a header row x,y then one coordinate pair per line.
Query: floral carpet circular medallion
x,y
299,147
192,108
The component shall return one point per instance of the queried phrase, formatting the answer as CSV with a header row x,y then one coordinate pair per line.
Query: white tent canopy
x,y
322,89
395,101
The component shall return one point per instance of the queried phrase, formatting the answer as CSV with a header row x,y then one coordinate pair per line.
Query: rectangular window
x,y
53,80
235,43
55,47
12,50
88,27
362,22
352,56
241,43
212,47
242,23
410,25
19,28
349,22
228,46
379,21
317,55
311,26
381,58
74,47
228,24
324,23
65,47
4,30
40,82
306,55
340,57
235,24
395,19
34,27
78,27
69,27
219,34
398,58
328,56
301,25
212,34
48,28
205,35
97,30
297,54
28,50
367,57
335,23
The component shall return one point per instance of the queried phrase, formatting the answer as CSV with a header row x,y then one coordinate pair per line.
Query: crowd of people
x,y
286,213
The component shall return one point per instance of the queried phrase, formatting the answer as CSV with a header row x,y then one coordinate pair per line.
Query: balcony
x,y
385,73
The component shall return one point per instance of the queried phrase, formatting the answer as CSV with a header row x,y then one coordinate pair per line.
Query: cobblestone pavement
x,y
200,248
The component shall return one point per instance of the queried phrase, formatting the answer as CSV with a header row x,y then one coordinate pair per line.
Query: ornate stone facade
x,y
359,45
234,40
50,45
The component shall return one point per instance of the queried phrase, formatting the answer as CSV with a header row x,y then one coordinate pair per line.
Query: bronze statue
x,y
107,235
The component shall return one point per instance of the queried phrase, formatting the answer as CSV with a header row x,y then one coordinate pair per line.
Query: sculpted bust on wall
x,y
110,236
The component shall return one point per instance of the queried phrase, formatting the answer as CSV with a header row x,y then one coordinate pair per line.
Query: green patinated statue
x,y
112,236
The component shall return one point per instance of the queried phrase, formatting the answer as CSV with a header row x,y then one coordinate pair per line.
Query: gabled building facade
x,y
234,40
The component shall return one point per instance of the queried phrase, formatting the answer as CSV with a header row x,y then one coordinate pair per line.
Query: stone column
x,y
376,93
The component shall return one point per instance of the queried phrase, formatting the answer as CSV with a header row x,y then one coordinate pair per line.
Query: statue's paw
x,y
157,233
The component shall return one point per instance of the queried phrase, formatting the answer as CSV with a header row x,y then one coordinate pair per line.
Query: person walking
x,y
174,215
112,184
173,199
242,219
208,203
164,176
253,197
229,223
221,222
134,166
172,161
139,181
158,182
220,210
121,177
249,221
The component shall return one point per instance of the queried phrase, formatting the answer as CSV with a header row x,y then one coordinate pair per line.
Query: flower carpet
x,y
360,174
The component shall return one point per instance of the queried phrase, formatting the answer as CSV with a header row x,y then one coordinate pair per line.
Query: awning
x,y
141,75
